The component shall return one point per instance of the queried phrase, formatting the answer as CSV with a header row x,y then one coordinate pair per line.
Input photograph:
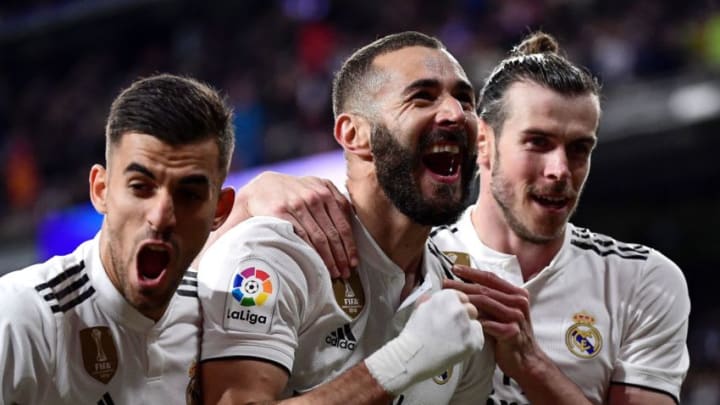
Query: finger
x,y
340,215
471,310
462,296
517,301
325,209
306,224
488,279
494,310
500,330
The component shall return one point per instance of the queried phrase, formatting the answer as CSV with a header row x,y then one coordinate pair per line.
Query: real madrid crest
x,y
443,378
99,353
582,338
349,294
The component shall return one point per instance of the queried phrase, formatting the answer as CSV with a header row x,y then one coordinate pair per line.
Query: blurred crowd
x,y
62,62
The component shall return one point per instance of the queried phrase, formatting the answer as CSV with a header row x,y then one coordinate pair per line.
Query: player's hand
x,y
441,332
319,213
504,311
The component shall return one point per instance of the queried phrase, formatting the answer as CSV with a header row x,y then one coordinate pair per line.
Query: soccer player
x,y
107,324
609,319
276,328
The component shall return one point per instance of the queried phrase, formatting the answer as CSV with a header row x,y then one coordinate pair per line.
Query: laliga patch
x,y
251,303
99,353
583,339
349,295
458,258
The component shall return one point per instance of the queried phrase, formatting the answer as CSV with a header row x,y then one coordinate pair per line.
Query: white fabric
x,y
438,334
46,306
636,297
301,327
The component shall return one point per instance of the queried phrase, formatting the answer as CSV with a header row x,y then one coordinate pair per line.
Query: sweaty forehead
x,y
406,65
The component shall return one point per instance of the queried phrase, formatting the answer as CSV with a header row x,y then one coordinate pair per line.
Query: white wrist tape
x,y
439,334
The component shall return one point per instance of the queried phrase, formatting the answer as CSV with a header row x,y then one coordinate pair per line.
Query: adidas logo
x,y
342,338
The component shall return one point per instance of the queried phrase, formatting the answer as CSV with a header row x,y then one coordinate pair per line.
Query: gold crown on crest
x,y
584,317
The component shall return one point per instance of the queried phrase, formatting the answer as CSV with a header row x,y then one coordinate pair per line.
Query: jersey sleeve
x,y
253,292
27,336
653,352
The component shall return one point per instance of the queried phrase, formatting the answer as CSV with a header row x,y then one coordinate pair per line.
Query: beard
x,y
396,166
546,229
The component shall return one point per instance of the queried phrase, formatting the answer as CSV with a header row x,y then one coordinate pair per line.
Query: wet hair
x,y
536,59
353,80
176,110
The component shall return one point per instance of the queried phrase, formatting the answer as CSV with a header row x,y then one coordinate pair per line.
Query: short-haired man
x,y
275,327
107,324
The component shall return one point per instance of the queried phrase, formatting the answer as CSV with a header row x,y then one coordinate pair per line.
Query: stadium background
x,y
655,176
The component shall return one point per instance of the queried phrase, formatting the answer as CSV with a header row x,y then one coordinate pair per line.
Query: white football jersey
x,y
604,311
266,294
67,336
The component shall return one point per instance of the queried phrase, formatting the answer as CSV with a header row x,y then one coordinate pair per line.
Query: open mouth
x,y
152,261
443,159
554,202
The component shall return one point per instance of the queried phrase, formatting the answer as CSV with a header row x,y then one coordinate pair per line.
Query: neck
x,y
493,230
402,240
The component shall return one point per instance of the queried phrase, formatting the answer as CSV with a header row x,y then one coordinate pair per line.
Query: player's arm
x,y
504,311
320,214
440,333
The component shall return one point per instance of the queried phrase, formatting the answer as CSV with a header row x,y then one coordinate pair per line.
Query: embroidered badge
x,y
349,294
99,353
250,305
444,377
458,258
582,338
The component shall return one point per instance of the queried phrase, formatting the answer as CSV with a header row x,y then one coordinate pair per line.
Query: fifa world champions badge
x,y
99,353
583,339
349,295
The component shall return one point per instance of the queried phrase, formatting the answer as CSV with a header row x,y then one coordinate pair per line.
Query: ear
x,y
352,132
98,188
224,206
485,143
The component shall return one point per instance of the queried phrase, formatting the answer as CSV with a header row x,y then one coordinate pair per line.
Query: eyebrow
x,y
461,85
582,138
193,179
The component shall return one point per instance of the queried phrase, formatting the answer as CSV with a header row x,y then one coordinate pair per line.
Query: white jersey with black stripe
x,y
266,294
67,336
604,311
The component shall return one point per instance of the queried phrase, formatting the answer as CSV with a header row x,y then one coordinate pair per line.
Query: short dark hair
x,y
176,110
536,59
349,85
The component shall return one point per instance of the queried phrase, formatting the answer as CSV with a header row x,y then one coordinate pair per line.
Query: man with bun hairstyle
x,y
604,321
276,328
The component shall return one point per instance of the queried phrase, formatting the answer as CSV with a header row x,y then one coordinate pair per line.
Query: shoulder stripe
x,y
631,254
444,260
61,277
437,229
73,302
191,274
75,285
74,279
606,241
186,281
187,293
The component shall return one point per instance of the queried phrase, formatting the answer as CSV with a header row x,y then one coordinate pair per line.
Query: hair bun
x,y
537,42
